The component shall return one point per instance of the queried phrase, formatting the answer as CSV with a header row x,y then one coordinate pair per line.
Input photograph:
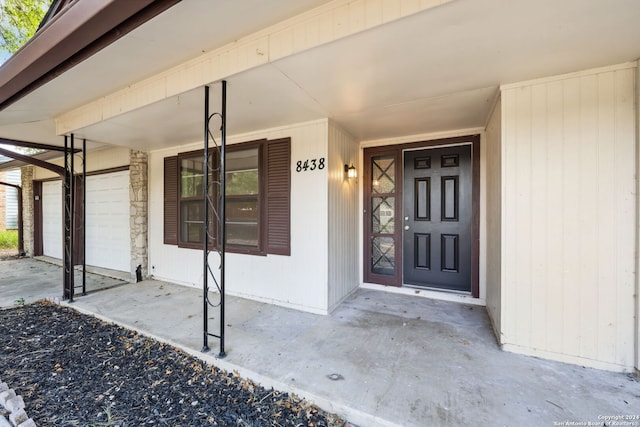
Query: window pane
x,y
242,203
242,172
383,252
192,219
383,178
242,221
382,215
242,234
191,177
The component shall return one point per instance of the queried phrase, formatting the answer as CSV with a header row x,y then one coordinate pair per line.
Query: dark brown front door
x,y
436,219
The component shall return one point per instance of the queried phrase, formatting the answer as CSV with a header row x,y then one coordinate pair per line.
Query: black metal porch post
x,y
205,249
223,215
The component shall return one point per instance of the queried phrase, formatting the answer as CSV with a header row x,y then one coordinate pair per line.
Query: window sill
x,y
228,249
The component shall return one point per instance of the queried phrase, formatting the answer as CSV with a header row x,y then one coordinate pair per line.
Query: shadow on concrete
x,y
25,280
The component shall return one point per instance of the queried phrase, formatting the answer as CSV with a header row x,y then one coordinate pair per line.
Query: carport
x,y
73,203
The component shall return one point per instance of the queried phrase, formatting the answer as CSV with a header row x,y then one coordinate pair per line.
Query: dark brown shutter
x,y
278,154
171,200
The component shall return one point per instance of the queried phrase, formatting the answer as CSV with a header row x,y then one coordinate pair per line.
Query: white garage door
x,y
52,219
107,228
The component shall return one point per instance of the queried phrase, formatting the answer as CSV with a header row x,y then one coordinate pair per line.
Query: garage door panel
x,y
52,219
107,225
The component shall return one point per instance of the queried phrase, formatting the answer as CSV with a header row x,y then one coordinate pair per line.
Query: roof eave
x,y
80,30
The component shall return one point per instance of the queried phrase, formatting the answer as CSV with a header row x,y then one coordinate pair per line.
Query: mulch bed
x,y
75,370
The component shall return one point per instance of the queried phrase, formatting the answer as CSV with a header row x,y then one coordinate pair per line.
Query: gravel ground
x,y
75,370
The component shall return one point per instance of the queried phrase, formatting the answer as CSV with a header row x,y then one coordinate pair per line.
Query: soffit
x,y
434,71
182,32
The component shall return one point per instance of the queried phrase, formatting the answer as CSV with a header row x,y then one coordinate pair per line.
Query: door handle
x,y
406,227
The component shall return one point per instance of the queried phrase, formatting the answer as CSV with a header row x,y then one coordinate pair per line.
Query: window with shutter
x,y
258,184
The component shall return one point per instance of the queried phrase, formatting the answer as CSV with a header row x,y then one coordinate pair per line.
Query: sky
x,y
4,55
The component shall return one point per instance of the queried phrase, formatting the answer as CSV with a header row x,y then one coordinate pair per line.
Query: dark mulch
x,y
75,370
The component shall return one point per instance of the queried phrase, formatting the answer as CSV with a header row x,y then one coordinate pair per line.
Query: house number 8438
x,y
309,165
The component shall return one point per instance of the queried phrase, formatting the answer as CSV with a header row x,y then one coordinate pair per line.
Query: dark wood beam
x,y
9,184
36,145
32,161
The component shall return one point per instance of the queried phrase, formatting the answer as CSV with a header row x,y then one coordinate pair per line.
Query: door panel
x,y
437,218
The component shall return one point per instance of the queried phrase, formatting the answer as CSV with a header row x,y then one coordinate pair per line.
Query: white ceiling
x,y
435,71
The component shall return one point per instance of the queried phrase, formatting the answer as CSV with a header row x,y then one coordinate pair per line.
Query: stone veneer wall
x,y
26,173
139,201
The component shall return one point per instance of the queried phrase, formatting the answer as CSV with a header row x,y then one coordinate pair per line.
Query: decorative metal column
x,y
70,226
84,216
67,220
214,202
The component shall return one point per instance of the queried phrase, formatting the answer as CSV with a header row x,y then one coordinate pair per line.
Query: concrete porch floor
x,y
379,359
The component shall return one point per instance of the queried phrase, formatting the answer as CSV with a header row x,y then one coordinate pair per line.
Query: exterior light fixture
x,y
350,171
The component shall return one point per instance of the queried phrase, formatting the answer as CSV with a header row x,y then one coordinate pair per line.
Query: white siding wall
x,y
493,200
568,225
299,280
343,217
11,199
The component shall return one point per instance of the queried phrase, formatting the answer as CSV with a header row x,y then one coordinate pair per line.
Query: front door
x,y
436,219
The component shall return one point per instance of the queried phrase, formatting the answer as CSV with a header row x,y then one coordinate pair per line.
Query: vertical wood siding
x,y
493,216
568,220
11,203
342,216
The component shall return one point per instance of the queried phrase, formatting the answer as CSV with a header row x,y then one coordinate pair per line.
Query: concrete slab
x,y
379,359
25,280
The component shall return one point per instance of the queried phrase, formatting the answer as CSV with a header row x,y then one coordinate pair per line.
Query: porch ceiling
x,y
435,71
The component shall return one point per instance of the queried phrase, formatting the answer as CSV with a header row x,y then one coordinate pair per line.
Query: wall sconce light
x,y
350,171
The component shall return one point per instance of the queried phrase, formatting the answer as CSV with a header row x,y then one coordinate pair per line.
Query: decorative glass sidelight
x,y
382,215
383,180
383,254
383,205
